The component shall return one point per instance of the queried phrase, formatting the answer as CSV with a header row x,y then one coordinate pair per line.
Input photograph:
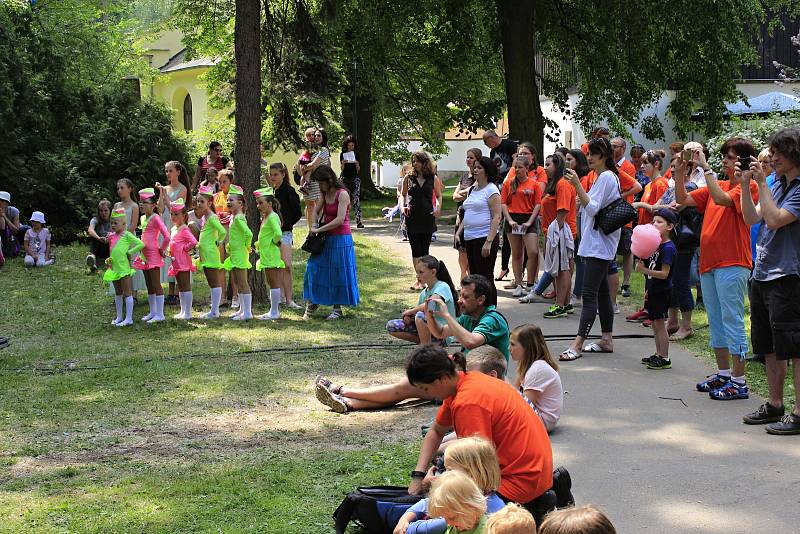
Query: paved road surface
x,y
657,455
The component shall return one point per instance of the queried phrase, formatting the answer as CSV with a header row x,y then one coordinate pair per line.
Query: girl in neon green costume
x,y
123,244
238,260
211,236
268,246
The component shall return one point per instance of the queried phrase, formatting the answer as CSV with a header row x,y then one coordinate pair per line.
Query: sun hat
x,y
146,193
264,192
5,195
37,216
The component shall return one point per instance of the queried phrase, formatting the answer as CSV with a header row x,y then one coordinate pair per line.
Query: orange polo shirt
x,y
527,196
652,194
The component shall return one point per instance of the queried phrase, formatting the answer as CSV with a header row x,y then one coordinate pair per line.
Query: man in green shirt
x,y
478,324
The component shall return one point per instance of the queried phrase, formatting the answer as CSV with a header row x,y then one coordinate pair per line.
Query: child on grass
x,y
99,228
152,257
268,246
659,285
477,458
537,374
37,243
238,248
212,234
123,245
182,242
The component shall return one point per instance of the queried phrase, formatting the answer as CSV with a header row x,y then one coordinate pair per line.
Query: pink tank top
x,y
331,210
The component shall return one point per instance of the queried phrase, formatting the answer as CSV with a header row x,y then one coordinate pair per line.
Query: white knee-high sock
x,y
118,300
151,300
129,309
274,299
246,301
216,297
160,306
186,304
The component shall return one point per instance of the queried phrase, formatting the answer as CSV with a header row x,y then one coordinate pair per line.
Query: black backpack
x,y
376,509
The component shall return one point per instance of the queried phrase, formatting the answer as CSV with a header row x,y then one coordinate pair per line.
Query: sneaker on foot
x,y
711,383
637,317
647,323
292,305
518,292
569,308
555,312
648,359
730,391
531,297
766,413
659,362
616,308
788,425
235,303
626,291
91,263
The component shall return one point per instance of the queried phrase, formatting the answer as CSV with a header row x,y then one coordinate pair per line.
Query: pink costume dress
x,y
182,242
152,253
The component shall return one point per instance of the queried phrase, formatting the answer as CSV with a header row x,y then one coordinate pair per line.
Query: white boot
x,y
159,314
118,299
245,302
151,300
128,312
216,297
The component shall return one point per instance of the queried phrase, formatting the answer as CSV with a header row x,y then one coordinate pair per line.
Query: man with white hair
x,y
501,152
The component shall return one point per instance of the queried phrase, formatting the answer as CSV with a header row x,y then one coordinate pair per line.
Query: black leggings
x,y
420,244
596,297
480,265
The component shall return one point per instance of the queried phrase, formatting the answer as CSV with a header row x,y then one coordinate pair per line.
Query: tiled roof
x,y
179,62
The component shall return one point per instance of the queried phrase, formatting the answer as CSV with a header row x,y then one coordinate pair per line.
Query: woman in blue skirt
x,y
331,278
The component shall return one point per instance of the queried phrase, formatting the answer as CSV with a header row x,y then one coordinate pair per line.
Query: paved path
x,y
657,455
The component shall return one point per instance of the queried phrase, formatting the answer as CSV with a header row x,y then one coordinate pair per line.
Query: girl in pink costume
x,y
152,257
182,264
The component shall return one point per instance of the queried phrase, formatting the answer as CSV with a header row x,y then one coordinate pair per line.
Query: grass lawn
x,y
698,344
177,427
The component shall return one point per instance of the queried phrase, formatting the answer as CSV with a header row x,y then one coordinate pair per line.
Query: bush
x,y
757,131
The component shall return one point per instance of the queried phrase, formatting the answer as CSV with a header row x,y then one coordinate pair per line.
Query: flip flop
x,y
673,337
594,347
569,355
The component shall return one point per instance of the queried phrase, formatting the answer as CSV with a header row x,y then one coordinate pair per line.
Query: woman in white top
x,y
481,222
597,248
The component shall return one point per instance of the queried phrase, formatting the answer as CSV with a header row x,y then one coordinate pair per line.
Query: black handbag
x,y
614,216
314,243
690,224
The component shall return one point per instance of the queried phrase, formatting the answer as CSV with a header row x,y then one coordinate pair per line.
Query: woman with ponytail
x,y
435,279
477,404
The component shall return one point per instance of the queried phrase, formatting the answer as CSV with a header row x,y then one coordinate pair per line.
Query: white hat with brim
x,y
37,216
5,195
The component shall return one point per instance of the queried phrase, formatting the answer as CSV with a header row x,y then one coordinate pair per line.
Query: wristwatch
x,y
418,474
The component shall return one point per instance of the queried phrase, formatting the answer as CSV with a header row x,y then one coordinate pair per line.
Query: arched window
x,y
187,112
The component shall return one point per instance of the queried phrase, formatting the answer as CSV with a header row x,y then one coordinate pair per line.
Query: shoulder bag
x,y
314,243
614,216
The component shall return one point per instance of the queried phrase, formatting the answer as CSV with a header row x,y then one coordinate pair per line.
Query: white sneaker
x,y
235,303
123,323
616,308
294,306
575,301
530,297
518,292
268,317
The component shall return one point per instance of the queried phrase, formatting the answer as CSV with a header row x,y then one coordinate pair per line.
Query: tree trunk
x,y
525,120
364,123
247,50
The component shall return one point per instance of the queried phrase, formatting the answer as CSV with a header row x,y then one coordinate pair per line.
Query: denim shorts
x,y
287,239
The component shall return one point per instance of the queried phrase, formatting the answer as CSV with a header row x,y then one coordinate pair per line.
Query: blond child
x,y
475,457
512,519
537,374
123,245
582,520
456,498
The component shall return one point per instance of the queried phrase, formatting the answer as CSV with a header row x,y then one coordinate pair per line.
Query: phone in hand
x,y
687,155
744,162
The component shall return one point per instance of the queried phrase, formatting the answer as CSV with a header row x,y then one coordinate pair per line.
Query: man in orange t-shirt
x,y
477,404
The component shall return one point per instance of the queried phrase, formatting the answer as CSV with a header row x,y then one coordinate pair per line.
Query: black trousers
x,y
483,266
596,297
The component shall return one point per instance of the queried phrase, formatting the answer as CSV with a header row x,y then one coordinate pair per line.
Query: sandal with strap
x,y
327,384
335,314
569,355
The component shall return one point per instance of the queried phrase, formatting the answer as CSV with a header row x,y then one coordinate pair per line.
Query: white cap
x,y
5,195
37,216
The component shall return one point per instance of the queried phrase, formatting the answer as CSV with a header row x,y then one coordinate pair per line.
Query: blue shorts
x,y
287,239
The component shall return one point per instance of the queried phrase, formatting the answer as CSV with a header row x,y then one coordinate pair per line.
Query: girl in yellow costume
x,y
211,236
123,244
268,246
238,260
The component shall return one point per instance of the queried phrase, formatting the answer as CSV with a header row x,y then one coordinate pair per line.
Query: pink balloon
x,y
645,240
